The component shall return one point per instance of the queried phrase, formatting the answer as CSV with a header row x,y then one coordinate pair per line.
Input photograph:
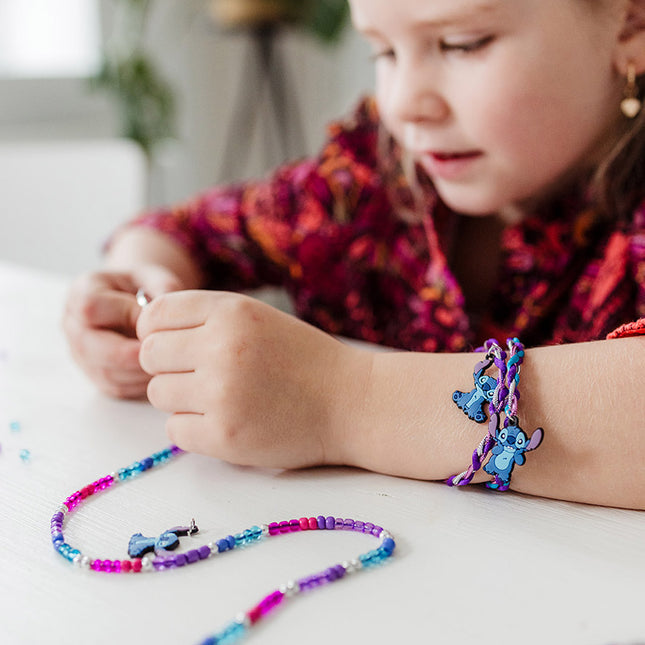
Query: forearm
x,y
138,246
588,397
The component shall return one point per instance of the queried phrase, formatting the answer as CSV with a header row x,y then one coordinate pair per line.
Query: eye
x,y
383,54
520,441
465,46
503,435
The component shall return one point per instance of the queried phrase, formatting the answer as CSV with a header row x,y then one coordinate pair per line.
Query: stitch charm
x,y
139,545
472,403
511,442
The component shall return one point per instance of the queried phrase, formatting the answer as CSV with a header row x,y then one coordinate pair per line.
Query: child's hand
x,y
100,324
246,382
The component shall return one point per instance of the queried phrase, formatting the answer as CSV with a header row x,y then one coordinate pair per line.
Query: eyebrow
x,y
460,15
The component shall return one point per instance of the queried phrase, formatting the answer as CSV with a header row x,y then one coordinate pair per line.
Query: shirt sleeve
x,y
636,328
251,234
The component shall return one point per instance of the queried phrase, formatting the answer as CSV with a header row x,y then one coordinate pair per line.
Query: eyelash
x,y
469,47
461,48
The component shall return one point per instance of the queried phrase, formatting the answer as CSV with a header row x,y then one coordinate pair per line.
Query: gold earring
x,y
631,105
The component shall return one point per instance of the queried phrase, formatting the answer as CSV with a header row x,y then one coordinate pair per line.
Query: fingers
x,y
190,433
171,351
104,301
179,393
179,310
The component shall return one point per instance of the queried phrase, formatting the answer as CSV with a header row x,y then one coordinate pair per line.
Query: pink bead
x,y
126,566
136,566
313,524
95,565
304,523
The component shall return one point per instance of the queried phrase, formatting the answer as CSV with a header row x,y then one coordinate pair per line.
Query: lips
x,y
449,164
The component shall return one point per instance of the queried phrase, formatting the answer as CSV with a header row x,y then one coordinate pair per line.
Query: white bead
x,y
385,535
115,477
265,530
356,564
213,547
243,619
146,563
62,509
290,589
85,562
77,560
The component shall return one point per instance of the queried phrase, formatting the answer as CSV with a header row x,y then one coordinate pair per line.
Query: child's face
x,y
499,100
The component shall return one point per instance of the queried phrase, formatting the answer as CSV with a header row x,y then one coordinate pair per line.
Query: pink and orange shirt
x,y
331,231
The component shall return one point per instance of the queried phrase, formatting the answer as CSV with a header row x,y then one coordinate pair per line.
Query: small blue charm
x,y
139,545
473,402
510,445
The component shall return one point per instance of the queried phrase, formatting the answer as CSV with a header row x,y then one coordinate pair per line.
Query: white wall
x,y
206,68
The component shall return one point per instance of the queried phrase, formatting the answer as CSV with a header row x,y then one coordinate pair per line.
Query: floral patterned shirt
x,y
333,230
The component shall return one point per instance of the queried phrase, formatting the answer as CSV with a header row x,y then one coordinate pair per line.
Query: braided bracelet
x,y
141,547
506,445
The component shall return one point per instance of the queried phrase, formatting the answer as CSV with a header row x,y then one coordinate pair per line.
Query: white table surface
x,y
470,565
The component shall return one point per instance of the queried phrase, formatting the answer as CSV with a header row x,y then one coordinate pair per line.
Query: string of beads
x,y
167,560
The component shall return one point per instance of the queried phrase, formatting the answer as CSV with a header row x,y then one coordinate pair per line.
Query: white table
x,y
470,566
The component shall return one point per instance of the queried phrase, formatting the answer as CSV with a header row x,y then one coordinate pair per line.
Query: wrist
x,y
345,434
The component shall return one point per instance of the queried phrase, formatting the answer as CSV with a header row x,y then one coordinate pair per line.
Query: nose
x,y
415,95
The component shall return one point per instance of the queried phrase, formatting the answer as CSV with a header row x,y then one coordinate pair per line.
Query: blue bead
x,y
222,545
147,463
388,545
231,541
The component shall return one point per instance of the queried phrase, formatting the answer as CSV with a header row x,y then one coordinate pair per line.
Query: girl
x,y
524,215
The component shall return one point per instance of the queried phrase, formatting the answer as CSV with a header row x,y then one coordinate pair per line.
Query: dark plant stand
x,y
265,70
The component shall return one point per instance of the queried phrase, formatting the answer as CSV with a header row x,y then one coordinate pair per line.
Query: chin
x,y
475,205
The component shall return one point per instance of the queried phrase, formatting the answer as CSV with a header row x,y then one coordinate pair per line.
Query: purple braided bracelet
x,y
505,399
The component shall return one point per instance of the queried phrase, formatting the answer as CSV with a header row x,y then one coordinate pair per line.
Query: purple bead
x,y
367,527
348,524
204,552
358,525
330,523
377,530
339,523
274,528
58,517
321,522
294,525
180,559
192,556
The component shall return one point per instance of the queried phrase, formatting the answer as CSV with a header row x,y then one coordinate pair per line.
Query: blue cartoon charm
x,y
473,402
139,545
511,443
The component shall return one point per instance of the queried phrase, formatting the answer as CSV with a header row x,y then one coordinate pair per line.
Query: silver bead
x,y
356,564
62,509
265,530
115,477
213,547
243,619
77,560
85,562
385,535
290,589
146,563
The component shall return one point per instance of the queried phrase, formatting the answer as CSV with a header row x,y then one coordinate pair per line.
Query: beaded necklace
x,y
163,545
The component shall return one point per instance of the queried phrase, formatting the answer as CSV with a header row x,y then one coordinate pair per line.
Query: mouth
x,y
449,164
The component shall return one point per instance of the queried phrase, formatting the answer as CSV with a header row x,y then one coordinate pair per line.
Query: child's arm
x,y
252,385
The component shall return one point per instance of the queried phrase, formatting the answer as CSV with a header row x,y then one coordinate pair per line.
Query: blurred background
x,y
191,92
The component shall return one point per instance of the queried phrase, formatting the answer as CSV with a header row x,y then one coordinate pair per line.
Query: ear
x,y
631,45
